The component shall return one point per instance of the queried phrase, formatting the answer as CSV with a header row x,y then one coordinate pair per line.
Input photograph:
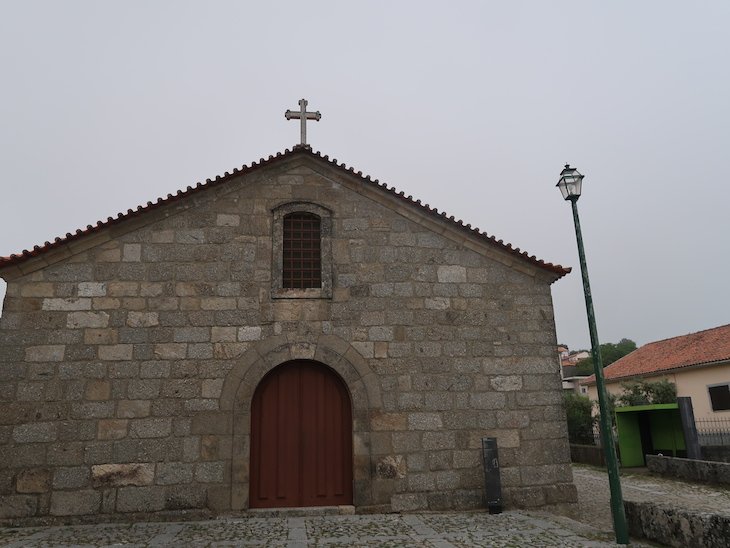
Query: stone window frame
x,y
278,291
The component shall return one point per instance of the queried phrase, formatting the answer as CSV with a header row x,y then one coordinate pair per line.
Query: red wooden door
x,y
301,438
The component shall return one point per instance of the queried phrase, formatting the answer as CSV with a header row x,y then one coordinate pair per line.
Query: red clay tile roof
x,y
299,149
703,347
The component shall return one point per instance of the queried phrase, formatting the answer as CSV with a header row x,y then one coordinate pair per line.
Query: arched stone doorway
x,y
301,438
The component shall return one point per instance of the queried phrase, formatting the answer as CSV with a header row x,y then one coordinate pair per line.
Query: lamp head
x,y
570,183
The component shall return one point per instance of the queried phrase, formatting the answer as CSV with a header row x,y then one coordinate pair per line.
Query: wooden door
x,y
301,438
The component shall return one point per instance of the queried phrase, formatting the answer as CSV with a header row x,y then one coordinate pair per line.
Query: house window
x,y
302,266
302,252
720,397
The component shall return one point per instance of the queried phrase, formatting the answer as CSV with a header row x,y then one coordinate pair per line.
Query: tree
x,y
580,418
610,353
641,392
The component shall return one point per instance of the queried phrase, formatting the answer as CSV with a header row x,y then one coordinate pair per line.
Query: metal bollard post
x,y
492,481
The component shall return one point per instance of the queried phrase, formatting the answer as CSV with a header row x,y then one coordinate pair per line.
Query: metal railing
x,y
713,431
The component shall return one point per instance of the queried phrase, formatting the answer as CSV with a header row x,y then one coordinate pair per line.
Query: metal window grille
x,y
302,251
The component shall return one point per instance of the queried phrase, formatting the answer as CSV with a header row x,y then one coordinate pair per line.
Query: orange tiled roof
x,y
703,347
299,149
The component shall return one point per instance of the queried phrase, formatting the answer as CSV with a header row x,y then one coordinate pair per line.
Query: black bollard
x,y
492,481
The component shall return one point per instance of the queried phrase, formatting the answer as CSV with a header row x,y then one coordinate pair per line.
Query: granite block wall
x,y
128,360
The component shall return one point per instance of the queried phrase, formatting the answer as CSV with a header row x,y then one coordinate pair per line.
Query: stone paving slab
x,y
442,530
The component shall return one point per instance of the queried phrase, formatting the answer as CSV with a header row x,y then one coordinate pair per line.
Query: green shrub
x,y
580,418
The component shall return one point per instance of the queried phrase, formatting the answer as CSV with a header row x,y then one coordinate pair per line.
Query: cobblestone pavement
x,y
438,530
463,529
594,494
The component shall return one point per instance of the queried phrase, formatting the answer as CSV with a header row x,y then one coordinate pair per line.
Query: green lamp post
x,y
570,185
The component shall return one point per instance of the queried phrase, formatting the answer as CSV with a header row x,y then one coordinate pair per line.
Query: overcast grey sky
x,y
473,107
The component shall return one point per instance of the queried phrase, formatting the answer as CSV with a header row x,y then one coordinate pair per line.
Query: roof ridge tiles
x,y
303,149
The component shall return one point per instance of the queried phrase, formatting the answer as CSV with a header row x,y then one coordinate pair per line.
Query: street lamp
x,y
570,185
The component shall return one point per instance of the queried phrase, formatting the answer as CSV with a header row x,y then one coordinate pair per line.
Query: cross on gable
x,y
303,115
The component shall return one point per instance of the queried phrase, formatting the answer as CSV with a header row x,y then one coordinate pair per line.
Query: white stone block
x,y
451,274
249,333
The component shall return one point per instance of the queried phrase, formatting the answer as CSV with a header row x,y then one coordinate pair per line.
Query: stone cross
x,y
303,115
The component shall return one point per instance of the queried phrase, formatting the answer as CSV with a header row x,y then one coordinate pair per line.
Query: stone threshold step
x,y
344,510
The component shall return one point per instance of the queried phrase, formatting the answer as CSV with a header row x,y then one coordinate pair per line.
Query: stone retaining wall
x,y
677,527
693,470
717,453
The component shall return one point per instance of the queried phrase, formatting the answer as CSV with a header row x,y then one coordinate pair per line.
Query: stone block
x,y
150,428
140,499
223,334
67,304
112,429
79,320
75,503
406,442
560,493
129,409
434,441
437,303
391,467
92,410
451,274
211,388
144,389
381,333
223,219
35,432
421,482
180,497
92,289
45,353
71,478
487,400
131,253
97,390
181,388
65,454
466,459
143,319
389,421
116,352
527,497
123,289
249,333
37,289
218,303
119,475
109,256
191,334
105,303
409,502
18,506
424,421
506,383
170,473
210,472
171,351
100,336
154,370
34,480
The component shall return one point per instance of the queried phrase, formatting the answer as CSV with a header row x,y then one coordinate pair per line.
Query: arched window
x,y
302,266
302,252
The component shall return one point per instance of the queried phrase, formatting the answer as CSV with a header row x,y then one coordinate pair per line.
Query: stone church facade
x,y
290,334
